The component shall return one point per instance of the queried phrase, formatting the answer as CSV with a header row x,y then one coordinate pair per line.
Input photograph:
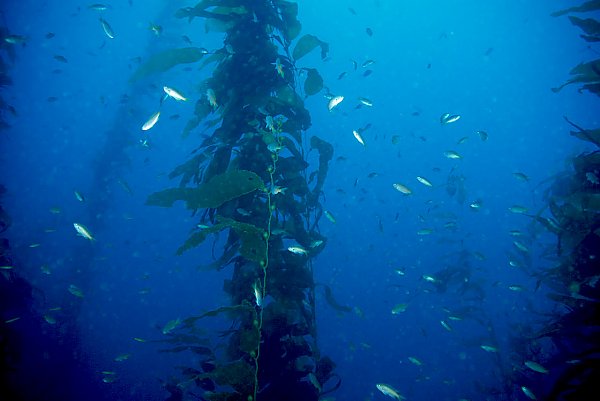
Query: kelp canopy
x,y
248,178
569,344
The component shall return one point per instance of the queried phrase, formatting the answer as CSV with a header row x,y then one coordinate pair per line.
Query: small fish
x,y
274,147
6,267
121,357
174,94
521,176
517,209
342,75
329,216
451,154
369,31
16,39
73,289
45,269
49,319
107,28
399,308
276,190
424,181
400,271
365,101
212,98
388,390
415,361
334,101
528,393
367,73
488,348
515,233
536,367
429,279
49,35
151,121
402,189
447,118
516,288
298,250
425,231
61,59
483,135
358,137
279,68
98,7
55,210
139,340
79,196
258,298
316,243
476,204
446,325
367,63
171,325
83,231
156,29
520,246
462,140
36,245
14,319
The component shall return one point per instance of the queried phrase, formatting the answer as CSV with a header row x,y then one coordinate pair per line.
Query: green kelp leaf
x,y
253,246
289,15
212,194
325,155
248,340
238,374
199,236
587,73
592,136
313,83
167,59
232,312
306,44
588,25
587,6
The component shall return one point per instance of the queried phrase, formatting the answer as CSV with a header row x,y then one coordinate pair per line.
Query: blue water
x,y
491,62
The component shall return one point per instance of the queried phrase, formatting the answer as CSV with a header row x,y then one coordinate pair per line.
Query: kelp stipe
x,y
249,178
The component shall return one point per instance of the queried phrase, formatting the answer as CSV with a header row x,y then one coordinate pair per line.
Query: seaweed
x,y
248,177
220,189
166,60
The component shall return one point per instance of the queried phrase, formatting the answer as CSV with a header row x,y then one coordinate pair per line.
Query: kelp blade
x,y
166,60
212,194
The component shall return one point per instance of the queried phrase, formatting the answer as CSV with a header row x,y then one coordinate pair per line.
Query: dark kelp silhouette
x,y
249,179
567,349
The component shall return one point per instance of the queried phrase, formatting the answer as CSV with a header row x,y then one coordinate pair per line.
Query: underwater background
x,y
438,287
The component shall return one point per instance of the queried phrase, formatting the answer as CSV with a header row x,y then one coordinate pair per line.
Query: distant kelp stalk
x,y
249,179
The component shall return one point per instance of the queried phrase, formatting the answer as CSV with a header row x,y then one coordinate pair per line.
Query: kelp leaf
x,y
587,6
167,59
588,25
306,44
198,237
289,14
212,194
253,242
238,374
313,83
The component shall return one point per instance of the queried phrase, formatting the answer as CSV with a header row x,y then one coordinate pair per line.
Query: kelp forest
x,y
176,196
249,182
569,341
